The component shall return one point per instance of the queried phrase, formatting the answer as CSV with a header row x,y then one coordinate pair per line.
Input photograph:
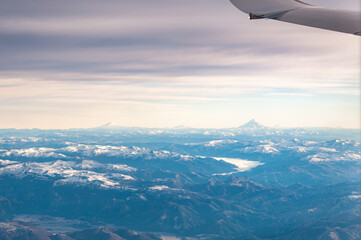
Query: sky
x,y
164,63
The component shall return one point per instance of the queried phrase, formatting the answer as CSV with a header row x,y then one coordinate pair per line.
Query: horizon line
x,y
115,127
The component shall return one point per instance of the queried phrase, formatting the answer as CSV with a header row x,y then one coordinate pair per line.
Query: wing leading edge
x,y
298,12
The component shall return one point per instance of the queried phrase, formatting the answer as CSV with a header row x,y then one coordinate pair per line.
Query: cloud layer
x,y
72,64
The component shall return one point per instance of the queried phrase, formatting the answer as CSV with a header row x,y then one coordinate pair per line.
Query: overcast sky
x,y
163,63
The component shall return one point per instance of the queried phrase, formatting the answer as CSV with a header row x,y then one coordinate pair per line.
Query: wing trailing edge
x,y
298,12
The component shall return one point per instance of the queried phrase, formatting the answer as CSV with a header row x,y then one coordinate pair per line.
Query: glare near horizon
x,y
202,64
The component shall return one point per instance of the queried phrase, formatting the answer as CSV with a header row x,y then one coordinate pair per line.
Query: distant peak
x,y
252,125
180,127
107,125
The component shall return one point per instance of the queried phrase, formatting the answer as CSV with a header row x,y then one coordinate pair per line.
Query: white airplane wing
x,y
295,11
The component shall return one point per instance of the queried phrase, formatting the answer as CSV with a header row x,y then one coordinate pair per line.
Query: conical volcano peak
x,y
252,125
253,121
107,125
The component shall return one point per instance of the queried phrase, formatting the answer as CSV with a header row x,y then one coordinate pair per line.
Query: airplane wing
x,y
298,12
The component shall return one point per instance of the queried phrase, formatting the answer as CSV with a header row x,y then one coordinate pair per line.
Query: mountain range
x,y
250,182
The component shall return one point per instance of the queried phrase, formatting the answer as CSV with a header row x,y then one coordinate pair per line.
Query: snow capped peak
x,y
252,125
107,125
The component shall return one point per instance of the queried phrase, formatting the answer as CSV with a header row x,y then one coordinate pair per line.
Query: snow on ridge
x,y
33,152
122,176
268,148
121,167
307,143
324,149
30,139
342,141
76,176
354,197
48,168
303,149
159,187
187,157
215,143
333,157
70,172
14,140
160,154
7,162
83,150
118,151
90,164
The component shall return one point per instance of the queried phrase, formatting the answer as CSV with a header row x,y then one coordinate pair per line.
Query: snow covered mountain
x,y
250,182
252,126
